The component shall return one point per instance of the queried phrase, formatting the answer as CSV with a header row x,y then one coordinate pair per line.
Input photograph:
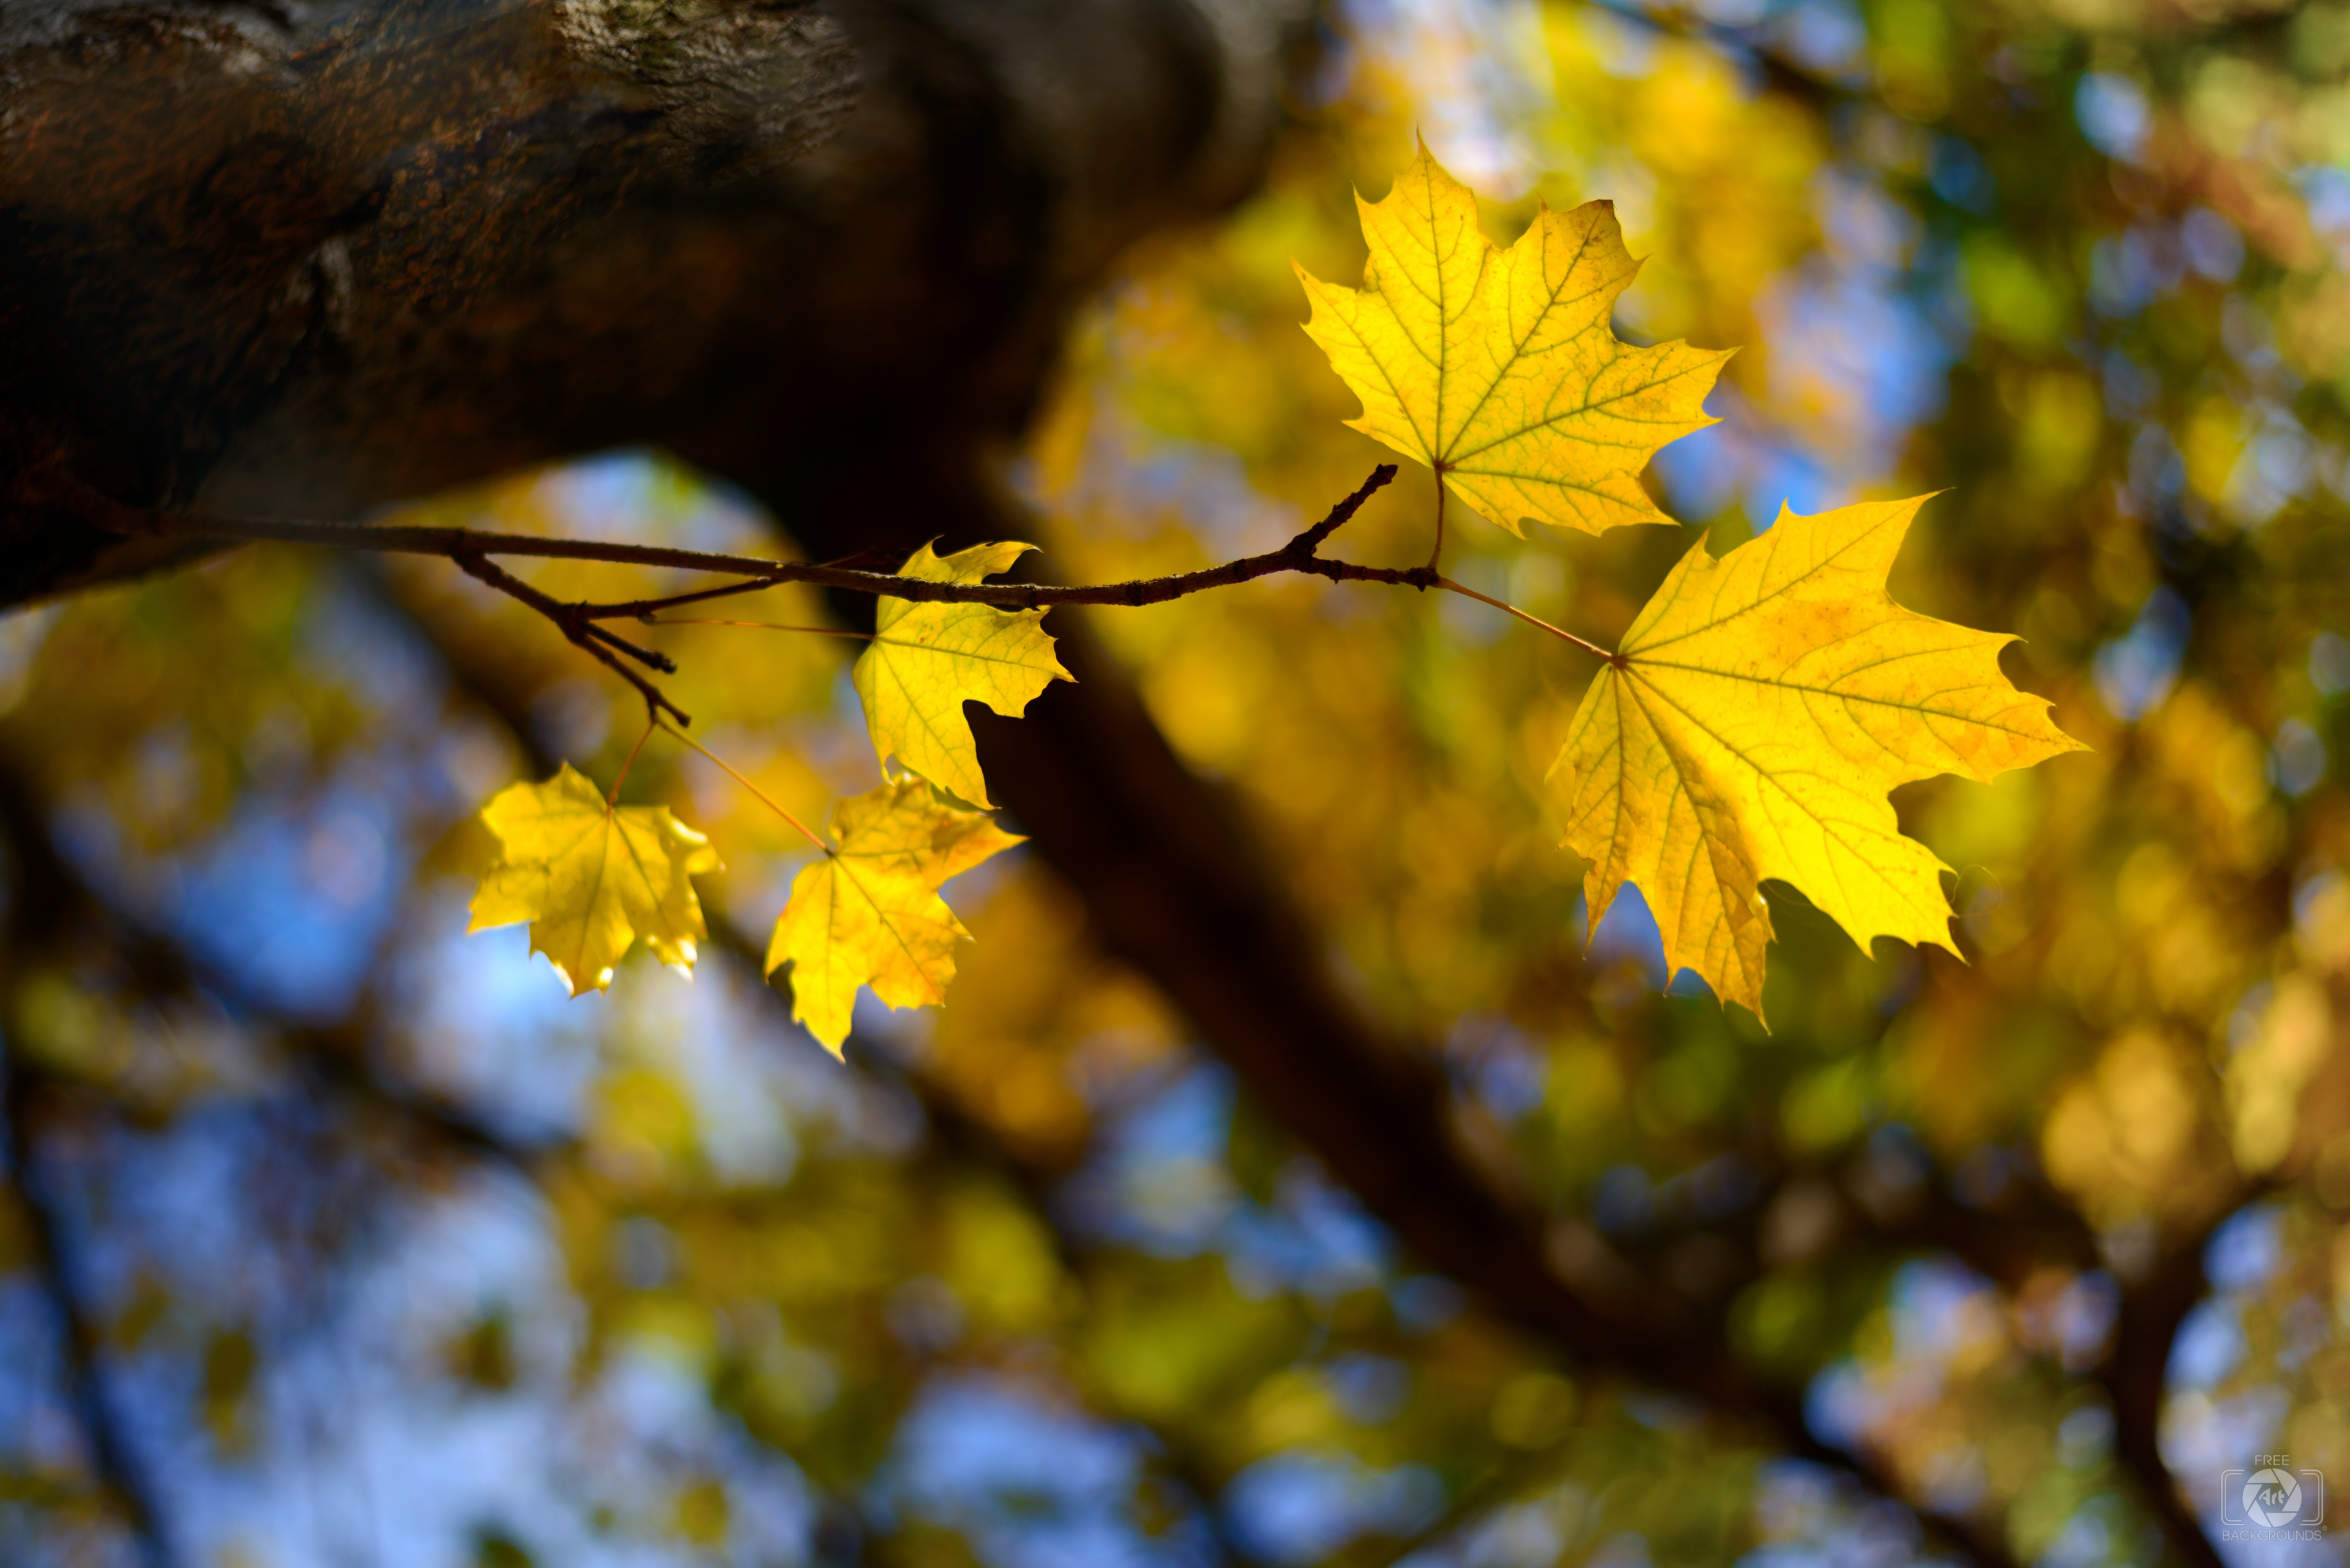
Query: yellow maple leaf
x,y
1750,726
591,877
927,659
1498,369
869,913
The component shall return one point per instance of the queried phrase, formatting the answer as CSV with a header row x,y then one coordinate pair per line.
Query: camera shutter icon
x,y
2273,1498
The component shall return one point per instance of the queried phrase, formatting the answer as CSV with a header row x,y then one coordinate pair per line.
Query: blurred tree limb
x,y
121,1474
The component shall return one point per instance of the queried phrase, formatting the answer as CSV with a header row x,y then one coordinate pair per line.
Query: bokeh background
x,y
334,1236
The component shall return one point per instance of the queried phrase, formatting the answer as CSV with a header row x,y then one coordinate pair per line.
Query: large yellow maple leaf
x,y
1498,369
591,877
869,913
1750,726
927,659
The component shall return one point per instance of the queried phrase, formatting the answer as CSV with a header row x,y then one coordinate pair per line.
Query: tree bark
x,y
303,261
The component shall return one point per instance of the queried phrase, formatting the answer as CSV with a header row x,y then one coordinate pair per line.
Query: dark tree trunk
x,y
302,261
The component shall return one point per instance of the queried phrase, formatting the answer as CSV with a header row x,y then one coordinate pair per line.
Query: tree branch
x,y
1802,83
51,892
468,548
120,1475
591,638
2137,1372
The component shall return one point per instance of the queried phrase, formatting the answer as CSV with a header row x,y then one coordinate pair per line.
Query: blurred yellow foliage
x,y
2124,1140
2294,1035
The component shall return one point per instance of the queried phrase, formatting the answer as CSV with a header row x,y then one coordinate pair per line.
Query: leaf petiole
x,y
761,626
746,783
1530,620
612,801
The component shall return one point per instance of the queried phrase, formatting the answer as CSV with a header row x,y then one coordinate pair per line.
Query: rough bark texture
x,y
302,261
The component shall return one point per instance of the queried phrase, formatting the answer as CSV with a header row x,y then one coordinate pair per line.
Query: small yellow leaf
x,y
590,879
927,659
870,913
1757,713
1498,369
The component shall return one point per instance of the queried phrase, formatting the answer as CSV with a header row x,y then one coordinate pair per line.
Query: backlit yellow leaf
x,y
927,659
1498,369
591,879
870,913
909,824
1757,712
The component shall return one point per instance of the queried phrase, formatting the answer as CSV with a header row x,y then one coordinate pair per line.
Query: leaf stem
x,y
1463,588
761,795
1438,550
612,801
765,626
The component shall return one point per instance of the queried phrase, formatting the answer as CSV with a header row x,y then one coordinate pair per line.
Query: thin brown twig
x,y
468,545
651,658
574,625
471,549
578,622
612,801
1300,554
770,625
651,608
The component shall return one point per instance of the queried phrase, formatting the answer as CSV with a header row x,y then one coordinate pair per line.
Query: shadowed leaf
x,y
927,659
